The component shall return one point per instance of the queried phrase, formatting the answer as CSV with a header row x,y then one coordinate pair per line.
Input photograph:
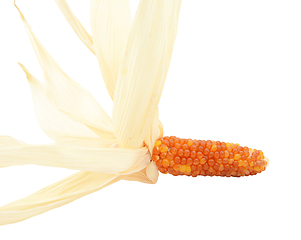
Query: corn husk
x,y
134,60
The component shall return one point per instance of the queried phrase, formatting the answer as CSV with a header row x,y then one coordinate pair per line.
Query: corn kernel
x,y
158,143
163,148
189,143
183,168
203,161
165,163
226,153
213,148
188,169
177,167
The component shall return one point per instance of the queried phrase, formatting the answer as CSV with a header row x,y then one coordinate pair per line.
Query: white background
x,y
234,76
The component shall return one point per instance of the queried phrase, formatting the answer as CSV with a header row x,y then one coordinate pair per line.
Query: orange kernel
x,y
165,163
177,146
155,158
183,168
189,143
174,150
169,156
194,147
163,148
177,159
185,146
180,152
213,148
186,153
156,150
211,162
203,161
192,154
199,155
158,143
189,161
196,161
221,167
159,163
177,167
188,169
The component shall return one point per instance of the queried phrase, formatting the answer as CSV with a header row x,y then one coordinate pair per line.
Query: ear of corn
x,y
207,158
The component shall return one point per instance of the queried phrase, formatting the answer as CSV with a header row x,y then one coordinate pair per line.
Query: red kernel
x,y
211,162
189,161
196,161
225,161
193,154
206,151
156,150
205,167
181,153
203,161
185,146
201,149
193,148
155,158
186,153
177,159
171,163
163,155
174,150
165,163
216,166
178,146
216,155
169,156
159,163
177,167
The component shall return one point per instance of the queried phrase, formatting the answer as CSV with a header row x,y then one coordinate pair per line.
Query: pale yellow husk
x,y
67,95
143,70
134,60
101,160
110,38
56,124
78,28
55,195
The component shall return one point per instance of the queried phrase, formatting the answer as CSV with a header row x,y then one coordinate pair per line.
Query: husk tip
x,y
21,14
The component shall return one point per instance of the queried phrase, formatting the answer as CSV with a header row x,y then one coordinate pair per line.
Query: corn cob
x,y
189,157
